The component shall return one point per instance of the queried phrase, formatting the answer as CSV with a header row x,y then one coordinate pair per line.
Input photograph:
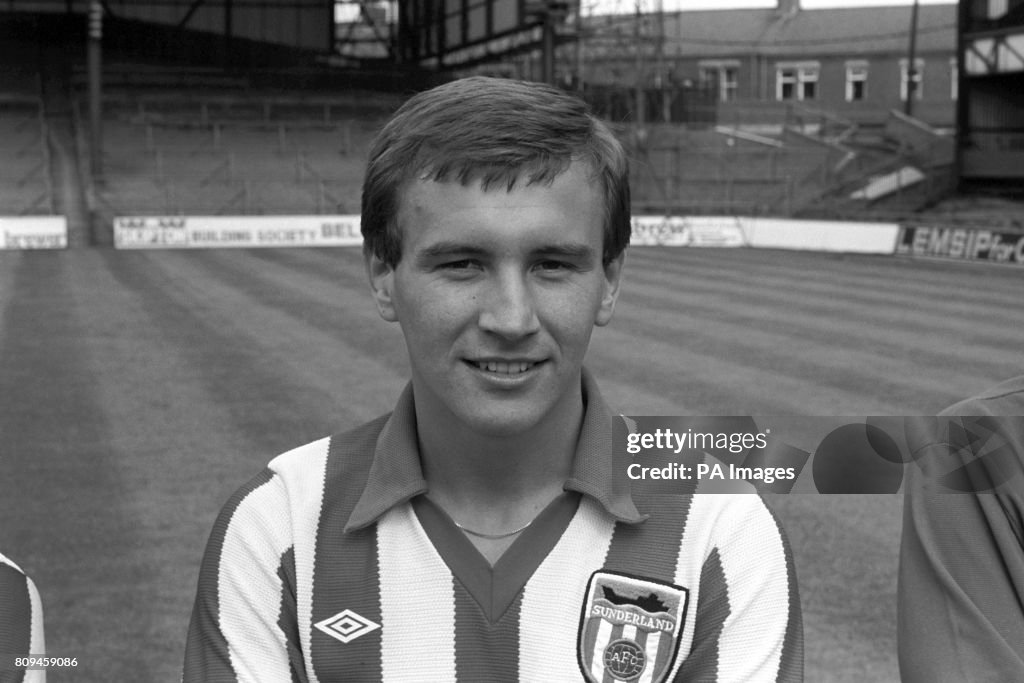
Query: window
x,y
918,79
721,77
785,84
997,8
856,81
797,81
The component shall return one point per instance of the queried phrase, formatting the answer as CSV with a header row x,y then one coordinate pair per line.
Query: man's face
x,y
497,294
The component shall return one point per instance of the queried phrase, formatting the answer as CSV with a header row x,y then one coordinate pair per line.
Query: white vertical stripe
x,y
248,587
305,486
553,598
417,601
38,639
753,562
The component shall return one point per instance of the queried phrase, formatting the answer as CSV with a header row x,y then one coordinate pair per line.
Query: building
x,y
853,62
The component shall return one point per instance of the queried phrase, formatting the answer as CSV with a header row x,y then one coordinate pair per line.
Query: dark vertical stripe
x,y
485,651
288,617
346,568
712,611
495,588
206,651
651,549
15,615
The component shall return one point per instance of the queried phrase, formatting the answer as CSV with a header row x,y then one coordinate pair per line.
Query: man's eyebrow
x,y
569,250
448,248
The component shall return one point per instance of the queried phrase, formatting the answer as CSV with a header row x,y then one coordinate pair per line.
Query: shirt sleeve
x,y
21,622
748,621
961,576
243,625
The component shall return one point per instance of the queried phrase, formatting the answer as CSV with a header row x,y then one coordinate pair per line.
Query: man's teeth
x,y
505,368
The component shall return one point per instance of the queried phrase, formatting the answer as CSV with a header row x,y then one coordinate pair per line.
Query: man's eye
x,y
464,264
553,266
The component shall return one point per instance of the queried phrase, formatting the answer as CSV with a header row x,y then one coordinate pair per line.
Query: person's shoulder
x,y
9,565
15,585
1005,398
12,574
293,477
716,516
740,507
355,442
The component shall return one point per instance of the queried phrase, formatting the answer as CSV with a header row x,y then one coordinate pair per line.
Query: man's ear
x,y
382,282
612,278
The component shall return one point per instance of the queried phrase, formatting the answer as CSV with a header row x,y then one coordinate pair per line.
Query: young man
x,y
480,532
961,578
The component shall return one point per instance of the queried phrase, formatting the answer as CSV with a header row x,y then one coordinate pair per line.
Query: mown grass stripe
x,y
844,271
905,323
327,340
957,295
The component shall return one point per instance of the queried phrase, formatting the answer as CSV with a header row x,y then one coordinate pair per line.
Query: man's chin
x,y
503,423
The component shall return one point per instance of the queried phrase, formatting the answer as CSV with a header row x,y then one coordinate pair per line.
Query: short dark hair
x,y
494,131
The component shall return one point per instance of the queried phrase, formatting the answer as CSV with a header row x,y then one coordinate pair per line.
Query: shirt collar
x,y
396,475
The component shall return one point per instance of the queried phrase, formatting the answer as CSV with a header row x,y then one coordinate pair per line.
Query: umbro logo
x,y
346,626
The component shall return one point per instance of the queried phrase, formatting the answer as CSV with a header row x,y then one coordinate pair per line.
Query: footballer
x,y
21,626
480,532
961,574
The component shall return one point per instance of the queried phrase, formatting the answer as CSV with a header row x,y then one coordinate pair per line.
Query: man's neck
x,y
493,483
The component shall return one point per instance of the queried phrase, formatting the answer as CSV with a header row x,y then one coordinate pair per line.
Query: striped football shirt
x,y
21,623
331,565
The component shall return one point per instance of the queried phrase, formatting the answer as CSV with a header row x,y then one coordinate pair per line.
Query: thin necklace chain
x,y
495,537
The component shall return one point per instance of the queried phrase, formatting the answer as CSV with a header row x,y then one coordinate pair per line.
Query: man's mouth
x,y
504,367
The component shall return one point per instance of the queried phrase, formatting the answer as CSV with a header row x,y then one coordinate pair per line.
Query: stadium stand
x,y
205,151
187,152
792,160
25,184
892,176
729,170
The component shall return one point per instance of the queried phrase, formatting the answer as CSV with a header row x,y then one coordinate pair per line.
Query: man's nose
x,y
510,307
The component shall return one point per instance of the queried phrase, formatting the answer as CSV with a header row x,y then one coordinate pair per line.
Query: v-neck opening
x,y
494,588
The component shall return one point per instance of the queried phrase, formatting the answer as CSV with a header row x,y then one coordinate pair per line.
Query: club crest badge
x,y
630,628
